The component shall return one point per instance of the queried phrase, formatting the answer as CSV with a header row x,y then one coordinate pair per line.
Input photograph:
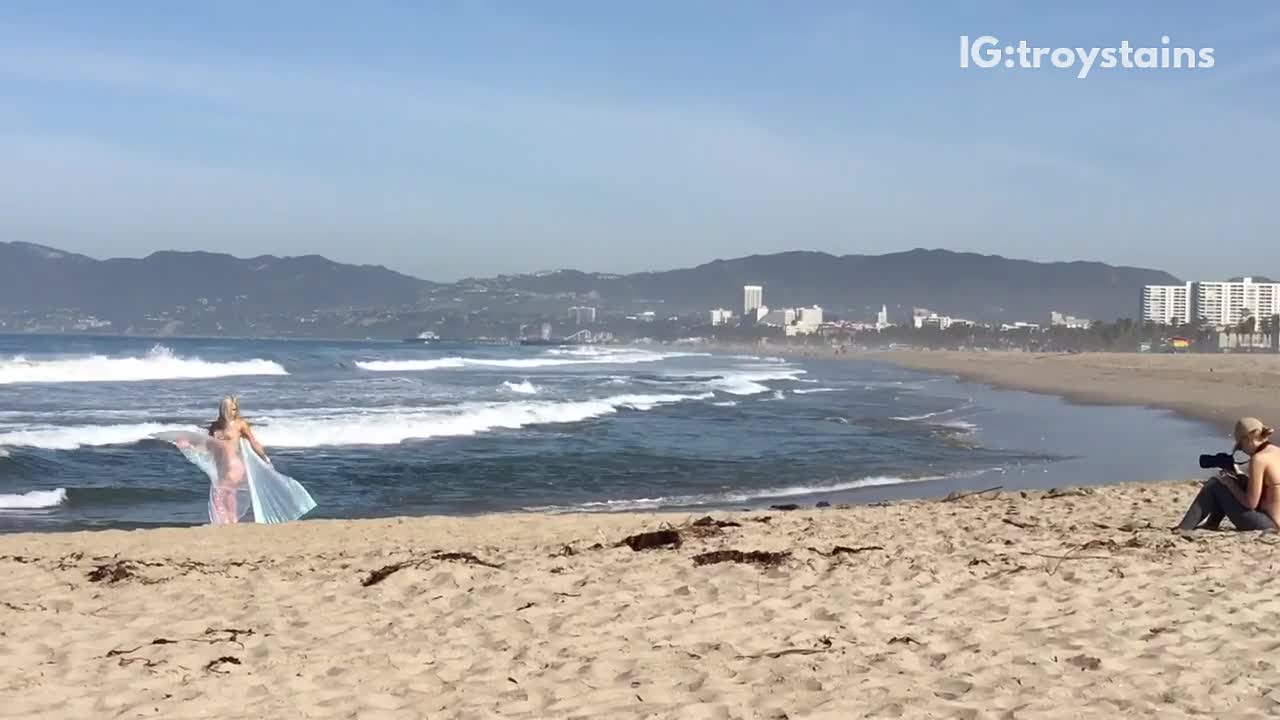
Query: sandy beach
x,y
997,605
1214,388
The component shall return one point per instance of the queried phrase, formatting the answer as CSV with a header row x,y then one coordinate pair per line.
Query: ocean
x,y
380,429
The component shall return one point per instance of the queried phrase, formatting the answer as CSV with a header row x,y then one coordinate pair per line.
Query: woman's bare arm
x,y
253,442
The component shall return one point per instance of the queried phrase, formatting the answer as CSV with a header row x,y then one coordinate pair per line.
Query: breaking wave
x,y
524,387
160,363
553,358
751,382
375,426
33,500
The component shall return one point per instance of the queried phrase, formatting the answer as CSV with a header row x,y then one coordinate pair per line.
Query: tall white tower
x,y
752,298
882,318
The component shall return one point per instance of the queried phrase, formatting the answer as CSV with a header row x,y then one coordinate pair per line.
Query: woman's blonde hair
x,y
228,413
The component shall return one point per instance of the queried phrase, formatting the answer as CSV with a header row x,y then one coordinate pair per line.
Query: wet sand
x,y
1214,388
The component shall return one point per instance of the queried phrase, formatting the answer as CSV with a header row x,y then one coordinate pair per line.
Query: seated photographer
x,y
1250,499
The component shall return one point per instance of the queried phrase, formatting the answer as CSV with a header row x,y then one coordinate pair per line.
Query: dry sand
x,y
940,609
1215,388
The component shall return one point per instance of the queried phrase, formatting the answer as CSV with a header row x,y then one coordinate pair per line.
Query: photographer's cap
x,y
1247,426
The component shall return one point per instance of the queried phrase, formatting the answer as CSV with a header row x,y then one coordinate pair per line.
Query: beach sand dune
x,y
993,606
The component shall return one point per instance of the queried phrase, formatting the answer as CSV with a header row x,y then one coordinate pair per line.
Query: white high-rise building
x,y
882,318
810,317
1229,303
582,315
752,298
720,316
1167,304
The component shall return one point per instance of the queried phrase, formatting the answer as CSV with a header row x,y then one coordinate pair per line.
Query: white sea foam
x,y
159,364
729,497
381,426
809,391
553,358
409,365
33,500
70,437
726,403
963,426
750,382
524,387
926,416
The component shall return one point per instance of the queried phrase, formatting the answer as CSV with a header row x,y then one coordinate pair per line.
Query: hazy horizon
x,y
477,138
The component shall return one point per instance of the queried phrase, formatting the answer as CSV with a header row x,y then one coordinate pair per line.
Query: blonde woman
x,y
1249,498
226,432
241,476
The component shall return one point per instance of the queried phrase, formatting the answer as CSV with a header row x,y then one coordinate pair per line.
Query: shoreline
x,y
1217,389
1212,389
993,603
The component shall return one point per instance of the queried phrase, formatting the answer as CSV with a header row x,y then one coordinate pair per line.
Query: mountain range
x,y
37,278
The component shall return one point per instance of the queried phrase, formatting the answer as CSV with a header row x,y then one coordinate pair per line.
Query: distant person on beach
x,y
1249,499
225,434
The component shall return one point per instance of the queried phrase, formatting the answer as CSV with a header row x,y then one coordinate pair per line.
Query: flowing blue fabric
x,y
272,496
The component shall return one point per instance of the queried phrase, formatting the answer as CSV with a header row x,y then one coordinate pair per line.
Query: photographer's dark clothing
x,y
1215,502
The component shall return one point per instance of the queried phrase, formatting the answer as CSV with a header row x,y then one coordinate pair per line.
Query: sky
x,y
470,138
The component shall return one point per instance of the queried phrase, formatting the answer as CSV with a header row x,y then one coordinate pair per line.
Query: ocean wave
x,y
810,391
524,387
409,365
728,497
553,358
750,382
160,363
33,500
726,403
386,426
70,437
596,351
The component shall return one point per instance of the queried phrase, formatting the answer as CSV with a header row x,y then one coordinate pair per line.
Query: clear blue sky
x,y
448,139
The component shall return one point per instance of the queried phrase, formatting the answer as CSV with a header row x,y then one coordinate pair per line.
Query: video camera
x,y
1225,462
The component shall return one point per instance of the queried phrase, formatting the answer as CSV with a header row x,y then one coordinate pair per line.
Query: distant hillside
x,y
34,277
980,287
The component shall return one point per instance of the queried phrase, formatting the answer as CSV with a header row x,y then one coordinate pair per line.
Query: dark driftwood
x,y
650,540
114,572
215,666
386,571
843,550
211,636
953,496
754,557
709,521
1069,556
824,643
